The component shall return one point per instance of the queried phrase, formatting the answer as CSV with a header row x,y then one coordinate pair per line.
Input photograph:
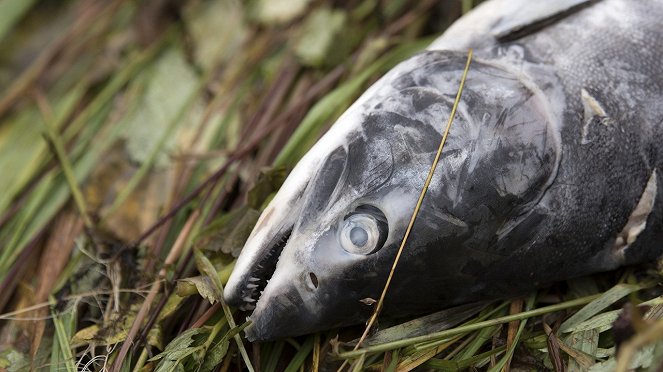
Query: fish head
x,y
321,252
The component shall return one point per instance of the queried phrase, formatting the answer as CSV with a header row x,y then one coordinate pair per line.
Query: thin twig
x,y
380,303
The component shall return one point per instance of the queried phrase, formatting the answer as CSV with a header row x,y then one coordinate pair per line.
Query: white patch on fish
x,y
637,222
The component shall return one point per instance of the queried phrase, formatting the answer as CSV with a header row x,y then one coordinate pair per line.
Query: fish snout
x,y
283,310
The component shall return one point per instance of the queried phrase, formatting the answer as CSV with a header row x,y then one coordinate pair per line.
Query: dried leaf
x,y
218,30
112,332
13,361
205,288
171,84
321,37
584,360
278,11
586,342
553,349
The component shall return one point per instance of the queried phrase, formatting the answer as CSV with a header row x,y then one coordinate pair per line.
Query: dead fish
x,y
551,171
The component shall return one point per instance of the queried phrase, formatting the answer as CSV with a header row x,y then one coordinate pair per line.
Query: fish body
x,y
552,170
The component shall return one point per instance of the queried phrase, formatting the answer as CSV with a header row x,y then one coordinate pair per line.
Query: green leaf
x,y
601,322
299,358
181,342
608,298
205,267
215,355
321,35
14,361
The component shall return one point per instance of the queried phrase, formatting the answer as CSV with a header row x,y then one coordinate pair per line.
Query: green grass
x,y
139,142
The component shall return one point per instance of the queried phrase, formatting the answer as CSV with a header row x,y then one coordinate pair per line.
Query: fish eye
x,y
363,231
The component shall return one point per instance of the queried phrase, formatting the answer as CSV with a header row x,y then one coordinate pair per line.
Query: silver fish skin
x,y
552,170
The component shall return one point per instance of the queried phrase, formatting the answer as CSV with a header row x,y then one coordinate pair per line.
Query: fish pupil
x,y
358,236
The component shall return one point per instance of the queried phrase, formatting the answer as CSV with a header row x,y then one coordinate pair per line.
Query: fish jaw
x,y
263,248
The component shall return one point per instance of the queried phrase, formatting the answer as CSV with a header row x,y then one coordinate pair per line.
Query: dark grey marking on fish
x,y
551,170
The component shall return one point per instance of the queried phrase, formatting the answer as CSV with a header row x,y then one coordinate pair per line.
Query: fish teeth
x,y
248,299
254,279
251,286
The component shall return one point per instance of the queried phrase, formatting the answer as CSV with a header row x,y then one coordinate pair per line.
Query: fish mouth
x,y
255,281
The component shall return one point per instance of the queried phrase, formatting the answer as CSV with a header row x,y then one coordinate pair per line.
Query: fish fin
x,y
535,15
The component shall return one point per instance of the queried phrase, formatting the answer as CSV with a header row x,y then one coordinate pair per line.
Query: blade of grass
x,y
61,154
358,364
22,154
606,299
484,335
274,356
426,351
503,364
460,365
435,322
380,303
497,311
299,358
468,328
23,83
61,347
419,357
11,11
393,362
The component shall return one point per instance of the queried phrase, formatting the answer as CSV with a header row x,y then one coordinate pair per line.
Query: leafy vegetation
x,y
139,142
